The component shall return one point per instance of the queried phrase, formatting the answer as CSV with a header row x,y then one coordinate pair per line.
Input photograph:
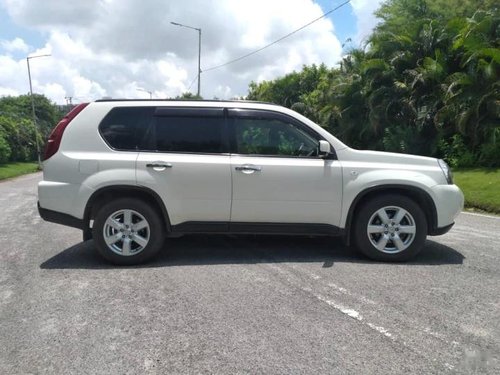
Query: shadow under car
x,y
245,249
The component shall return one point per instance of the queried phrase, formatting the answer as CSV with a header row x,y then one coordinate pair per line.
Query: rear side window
x,y
202,135
123,128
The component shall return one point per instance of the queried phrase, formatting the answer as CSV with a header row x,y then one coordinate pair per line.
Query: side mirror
x,y
324,148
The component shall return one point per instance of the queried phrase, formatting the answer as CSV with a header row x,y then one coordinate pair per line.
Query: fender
x,y
420,195
125,190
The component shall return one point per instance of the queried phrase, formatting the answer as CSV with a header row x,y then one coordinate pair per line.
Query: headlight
x,y
446,170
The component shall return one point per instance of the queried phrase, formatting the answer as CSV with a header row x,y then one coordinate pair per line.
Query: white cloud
x,y
14,45
366,20
49,13
112,47
13,76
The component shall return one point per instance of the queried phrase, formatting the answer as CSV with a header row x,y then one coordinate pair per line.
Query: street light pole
x,y
199,51
149,92
199,61
33,107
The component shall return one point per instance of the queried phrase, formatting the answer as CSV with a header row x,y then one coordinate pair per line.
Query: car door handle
x,y
159,165
248,167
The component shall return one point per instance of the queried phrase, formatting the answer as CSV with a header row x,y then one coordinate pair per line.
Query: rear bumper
x,y
59,218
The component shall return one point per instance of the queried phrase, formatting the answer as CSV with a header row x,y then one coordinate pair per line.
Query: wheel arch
x,y
419,195
123,191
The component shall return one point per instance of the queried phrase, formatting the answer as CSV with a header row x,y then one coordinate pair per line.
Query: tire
x,y
128,231
396,236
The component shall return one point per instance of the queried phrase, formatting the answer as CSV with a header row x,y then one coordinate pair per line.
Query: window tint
x,y
124,127
189,134
272,137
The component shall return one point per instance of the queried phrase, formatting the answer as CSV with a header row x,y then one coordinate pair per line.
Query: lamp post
x,y
199,49
33,106
149,92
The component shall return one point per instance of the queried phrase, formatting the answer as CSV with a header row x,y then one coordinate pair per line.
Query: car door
x,y
277,173
184,159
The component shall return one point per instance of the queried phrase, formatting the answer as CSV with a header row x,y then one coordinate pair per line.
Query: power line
x,y
191,84
277,40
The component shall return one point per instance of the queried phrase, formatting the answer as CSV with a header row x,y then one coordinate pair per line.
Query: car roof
x,y
196,101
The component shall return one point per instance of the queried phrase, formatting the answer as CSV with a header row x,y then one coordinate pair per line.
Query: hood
x,y
350,154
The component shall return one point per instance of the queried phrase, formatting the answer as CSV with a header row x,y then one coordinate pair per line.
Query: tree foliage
x,y
17,131
188,96
427,82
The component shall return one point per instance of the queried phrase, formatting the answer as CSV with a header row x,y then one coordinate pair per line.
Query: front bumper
x,y
440,231
449,201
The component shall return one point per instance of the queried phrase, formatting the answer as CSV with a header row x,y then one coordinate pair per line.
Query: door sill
x,y
257,228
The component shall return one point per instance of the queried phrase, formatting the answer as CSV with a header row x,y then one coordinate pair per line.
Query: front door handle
x,y
248,168
158,165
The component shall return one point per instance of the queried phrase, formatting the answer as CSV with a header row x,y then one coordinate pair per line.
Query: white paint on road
x,y
382,330
351,294
149,364
346,310
5,295
480,215
336,287
474,231
352,314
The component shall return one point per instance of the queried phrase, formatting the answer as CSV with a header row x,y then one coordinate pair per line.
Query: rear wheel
x,y
128,231
390,228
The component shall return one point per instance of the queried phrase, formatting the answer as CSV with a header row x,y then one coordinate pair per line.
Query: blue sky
x,y
10,30
344,19
96,55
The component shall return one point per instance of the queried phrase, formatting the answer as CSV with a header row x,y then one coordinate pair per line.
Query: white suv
x,y
130,173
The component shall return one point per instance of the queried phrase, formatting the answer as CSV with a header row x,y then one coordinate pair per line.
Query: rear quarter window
x,y
123,128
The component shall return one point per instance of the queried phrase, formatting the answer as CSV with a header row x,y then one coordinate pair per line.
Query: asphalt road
x,y
266,305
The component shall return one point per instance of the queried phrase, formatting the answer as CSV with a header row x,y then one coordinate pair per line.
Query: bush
x,y
457,154
5,150
408,140
489,156
21,154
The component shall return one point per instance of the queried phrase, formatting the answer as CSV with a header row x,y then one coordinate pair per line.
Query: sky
x,y
119,48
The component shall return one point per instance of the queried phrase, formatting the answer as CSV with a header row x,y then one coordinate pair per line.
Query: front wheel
x,y
128,231
390,228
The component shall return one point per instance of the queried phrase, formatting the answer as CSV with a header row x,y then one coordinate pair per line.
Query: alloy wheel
x,y
126,232
391,229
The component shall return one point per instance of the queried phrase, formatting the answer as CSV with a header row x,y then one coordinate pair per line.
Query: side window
x,y
189,134
123,127
261,136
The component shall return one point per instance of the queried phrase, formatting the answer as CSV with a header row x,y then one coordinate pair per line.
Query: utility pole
x,y
33,107
199,52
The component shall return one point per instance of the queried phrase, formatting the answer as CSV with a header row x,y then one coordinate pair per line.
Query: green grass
x,y
481,187
16,169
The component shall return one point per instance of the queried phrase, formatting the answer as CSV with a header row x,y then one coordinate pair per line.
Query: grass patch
x,y
481,187
16,169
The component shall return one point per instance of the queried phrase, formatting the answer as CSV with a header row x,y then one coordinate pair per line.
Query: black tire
x,y
398,245
155,232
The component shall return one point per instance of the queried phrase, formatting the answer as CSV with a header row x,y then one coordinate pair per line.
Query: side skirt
x,y
258,228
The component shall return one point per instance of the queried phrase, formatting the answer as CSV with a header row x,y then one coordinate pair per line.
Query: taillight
x,y
55,136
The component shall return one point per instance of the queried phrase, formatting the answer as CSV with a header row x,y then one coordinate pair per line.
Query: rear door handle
x,y
159,165
249,167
